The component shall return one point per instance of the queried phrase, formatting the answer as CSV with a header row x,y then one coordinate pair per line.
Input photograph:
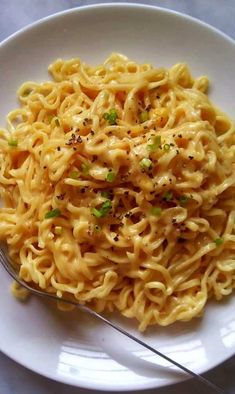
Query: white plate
x,y
72,348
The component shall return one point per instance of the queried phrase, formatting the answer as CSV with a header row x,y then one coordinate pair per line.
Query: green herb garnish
x,y
53,213
146,164
13,143
85,168
111,116
144,116
167,196
156,211
103,210
218,241
166,147
105,194
74,174
183,200
110,177
156,143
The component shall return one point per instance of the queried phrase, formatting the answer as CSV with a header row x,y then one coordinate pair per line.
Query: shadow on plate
x,y
84,336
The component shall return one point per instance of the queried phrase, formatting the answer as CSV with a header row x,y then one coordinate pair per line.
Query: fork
x,y
7,264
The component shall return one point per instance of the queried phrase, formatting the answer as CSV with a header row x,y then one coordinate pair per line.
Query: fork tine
x,y
5,261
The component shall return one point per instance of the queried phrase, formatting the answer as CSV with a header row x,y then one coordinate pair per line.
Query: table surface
x,y
15,14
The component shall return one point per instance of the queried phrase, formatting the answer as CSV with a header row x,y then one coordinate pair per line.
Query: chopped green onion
x,y
144,116
53,213
96,212
156,143
111,116
183,200
145,163
57,122
74,174
110,177
167,196
166,147
58,230
156,211
13,143
85,168
218,241
152,147
157,140
107,205
103,211
105,194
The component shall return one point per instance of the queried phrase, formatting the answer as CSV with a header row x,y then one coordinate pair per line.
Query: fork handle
x,y
116,327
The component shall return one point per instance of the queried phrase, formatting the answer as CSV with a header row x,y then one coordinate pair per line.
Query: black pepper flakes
x,y
74,140
61,196
191,157
58,148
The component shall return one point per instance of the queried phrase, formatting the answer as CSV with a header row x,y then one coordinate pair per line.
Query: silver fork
x,y
7,264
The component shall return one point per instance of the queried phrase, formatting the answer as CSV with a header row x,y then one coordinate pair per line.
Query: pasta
x,y
118,185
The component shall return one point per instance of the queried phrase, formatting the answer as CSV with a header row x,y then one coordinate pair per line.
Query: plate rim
x,y
163,10
34,25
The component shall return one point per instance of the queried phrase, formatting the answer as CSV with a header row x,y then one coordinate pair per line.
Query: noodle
x,y
118,186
